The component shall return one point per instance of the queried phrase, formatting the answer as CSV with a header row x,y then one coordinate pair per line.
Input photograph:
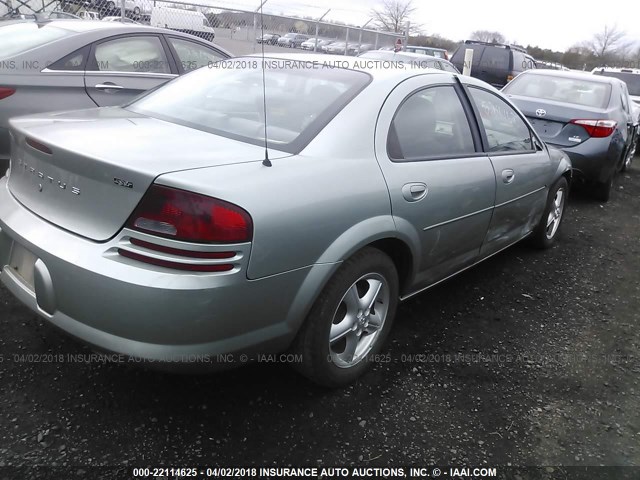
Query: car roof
x,y
572,74
74,25
635,71
375,69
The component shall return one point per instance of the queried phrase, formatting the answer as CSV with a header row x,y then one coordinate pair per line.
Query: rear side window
x,y
458,56
135,54
73,62
505,130
430,123
18,38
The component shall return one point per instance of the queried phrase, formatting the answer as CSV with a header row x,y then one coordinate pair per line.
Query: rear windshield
x,y
561,89
631,79
17,38
227,99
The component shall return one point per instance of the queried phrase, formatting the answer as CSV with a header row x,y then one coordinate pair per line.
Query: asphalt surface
x,y
531,358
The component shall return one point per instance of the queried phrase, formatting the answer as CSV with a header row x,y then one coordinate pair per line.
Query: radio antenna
x,y
266,162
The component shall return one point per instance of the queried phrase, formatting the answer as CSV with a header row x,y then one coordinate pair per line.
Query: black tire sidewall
x,y
539,236
317,363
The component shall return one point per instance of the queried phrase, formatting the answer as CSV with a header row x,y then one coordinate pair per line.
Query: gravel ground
x,y
532,358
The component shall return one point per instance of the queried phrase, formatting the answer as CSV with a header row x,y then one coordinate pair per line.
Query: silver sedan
x,y
201,232
66,64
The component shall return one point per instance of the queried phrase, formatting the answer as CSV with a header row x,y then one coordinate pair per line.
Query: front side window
x,y
505,130
134,54
430,123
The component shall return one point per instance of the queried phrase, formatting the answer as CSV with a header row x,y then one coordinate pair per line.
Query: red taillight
x,y
597,128
38,146
181,215
6,92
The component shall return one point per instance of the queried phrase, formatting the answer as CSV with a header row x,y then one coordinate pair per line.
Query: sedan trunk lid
x,y
551,119
86,170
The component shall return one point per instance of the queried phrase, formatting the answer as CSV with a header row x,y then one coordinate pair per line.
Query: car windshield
x,y
228,100
561,89
18,38
631,79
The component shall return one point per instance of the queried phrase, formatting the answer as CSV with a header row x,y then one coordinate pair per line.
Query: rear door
x,y
521,166
493,67
442,188
122,67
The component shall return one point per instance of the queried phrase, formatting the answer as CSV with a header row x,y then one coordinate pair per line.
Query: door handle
x,y
109,86
508,175
413,192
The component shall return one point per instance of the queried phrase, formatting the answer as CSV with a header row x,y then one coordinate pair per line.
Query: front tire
x,y
350,320
545,234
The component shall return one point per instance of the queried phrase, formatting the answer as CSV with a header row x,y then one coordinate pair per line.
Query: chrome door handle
x,y
508,175
109,86
412,192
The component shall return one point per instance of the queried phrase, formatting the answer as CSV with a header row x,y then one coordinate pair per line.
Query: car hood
x,y
86,170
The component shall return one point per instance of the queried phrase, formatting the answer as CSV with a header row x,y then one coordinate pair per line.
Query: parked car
x,y
113,7
89,15
431,51
365,47
495,63
338,48
182,20
71,64
585,115
630,76
311,44
268,38
292,40
414,59
210,267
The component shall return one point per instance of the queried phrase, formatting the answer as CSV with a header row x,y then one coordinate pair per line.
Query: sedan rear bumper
x,y
138,310
594,160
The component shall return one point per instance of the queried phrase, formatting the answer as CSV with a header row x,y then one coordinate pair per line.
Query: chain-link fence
x,y
240,31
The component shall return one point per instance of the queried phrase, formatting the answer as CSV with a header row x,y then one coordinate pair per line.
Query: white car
x,y
188,21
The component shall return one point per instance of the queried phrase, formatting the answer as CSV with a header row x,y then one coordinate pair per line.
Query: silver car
x,y
67,64
194,235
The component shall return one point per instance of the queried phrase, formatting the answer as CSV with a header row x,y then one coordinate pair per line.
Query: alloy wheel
x,y
555,213
358,320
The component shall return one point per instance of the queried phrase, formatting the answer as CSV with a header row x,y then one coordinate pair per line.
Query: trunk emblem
x,y
62,185
540,112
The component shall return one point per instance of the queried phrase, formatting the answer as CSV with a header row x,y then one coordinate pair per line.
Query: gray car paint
x,y
311,211
595,159
40,89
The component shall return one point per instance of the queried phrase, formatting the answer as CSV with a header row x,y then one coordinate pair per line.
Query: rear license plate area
x,y
22,263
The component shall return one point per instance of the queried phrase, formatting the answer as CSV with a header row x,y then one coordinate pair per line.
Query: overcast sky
x,y
554,24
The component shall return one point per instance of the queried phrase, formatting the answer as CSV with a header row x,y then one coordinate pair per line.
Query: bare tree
x,y
393,15
607,42
488,36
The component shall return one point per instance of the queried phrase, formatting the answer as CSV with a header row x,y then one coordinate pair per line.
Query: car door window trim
x,y
472,127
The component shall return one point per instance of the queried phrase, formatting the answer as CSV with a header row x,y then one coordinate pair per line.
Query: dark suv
x,y
495,63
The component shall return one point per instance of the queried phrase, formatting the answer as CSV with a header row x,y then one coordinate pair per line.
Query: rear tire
x,y
349,321
546,233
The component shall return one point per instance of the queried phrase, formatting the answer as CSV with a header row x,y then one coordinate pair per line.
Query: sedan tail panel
x,y
92,184
551,119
